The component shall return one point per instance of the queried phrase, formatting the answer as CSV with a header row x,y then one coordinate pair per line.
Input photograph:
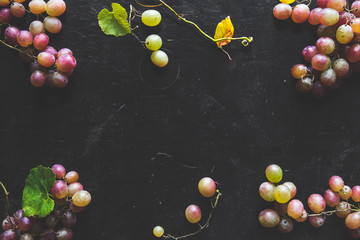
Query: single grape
x,y
36,27
344,34
304,85
151,18
26,236
59,171
60,189
71,177
298,71
282,11
281,208
266,191
17,9
356,193
5,15
8,235
332,198
355,7
10,35
316,203
325,45
353,55
320,62
41,41
55,8
295,208
326,31
68,219
75,209
341,67
59,80
300,13
64,51
74,187
66,63
274,173
321,3
343,209
159,58
158,231
24,224
193,213
37,7
207,187
338,5
285,225
8,223
153,42
328,16
328,77
317,221
52,24
303,217
269,218
292,188
309,52
19,214
336,183
81,198
24,38
64,234
355,25
345,193
314,16
51,50
38,78
46,59
352,221
282,194
51,220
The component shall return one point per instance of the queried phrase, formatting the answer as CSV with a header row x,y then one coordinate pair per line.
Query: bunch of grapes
x,y
70,198
48,66
338,197
207,188
153,42
336,54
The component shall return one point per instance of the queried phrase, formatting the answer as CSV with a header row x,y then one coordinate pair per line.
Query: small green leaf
x,y
114,23
36,195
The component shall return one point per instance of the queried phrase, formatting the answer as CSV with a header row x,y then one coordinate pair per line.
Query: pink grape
x,y
59,171
8,235
292,188
73,188
64,51
356,8
328,77
36,27
300,13
207,187
193,213
282,11
309,52
66,63
352,221
325,45
50,50
37,7
266,191
55,8
38,78
356,193
314,16
341,67
332,198
336,183
317,221
328,16
24,38
345,193
52,24
338,5
17,10
41,41
343,209
59,80
353,54
320,62
60,189
316,203
295,208
344,34
67,74
5,15
269,218
46,59
298,71
10,35
72,177
322,3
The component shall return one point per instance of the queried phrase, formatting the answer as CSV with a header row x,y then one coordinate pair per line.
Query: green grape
x,y
282,194
151,18
159,58
153,42
158,231
274,173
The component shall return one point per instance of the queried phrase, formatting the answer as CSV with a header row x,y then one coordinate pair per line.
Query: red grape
x,y
193,213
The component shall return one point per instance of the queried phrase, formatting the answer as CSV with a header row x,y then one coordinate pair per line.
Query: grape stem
x,y
133,10
201,227
245,40
17,49
7,198
329,213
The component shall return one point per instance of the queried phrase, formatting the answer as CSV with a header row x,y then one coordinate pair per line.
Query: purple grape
x,y
318,91
48,235
10,35
309,52
8,235
5,15
285,225
64,234
51,221
36,227
24,224
317,221
19,214
38,78
8,223
36,66
59,171
68,219
59,80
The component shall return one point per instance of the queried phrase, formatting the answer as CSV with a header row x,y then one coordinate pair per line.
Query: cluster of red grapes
x,y
207,188
336,53
70,198
48,66
336,197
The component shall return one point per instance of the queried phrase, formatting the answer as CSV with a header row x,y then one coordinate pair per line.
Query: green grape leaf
x,y
114,23
36,199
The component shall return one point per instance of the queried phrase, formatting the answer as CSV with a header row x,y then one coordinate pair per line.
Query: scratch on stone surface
x,y
96,132
169,157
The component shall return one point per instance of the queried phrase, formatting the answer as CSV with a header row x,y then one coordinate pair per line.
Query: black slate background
x,y
141,152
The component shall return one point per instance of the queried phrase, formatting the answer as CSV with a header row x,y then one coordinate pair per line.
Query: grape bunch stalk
x,y
47,65
69,198
207,188
336,53
286,208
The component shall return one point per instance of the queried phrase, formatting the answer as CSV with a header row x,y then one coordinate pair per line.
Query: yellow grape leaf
x,y
225,29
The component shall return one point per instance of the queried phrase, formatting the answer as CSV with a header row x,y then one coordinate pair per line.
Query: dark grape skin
x,y
317,221
354,234
24,224
10,35
75,209
318,91
285,225
6,225
64,234
19,214
36,228
48,235
51,220
68,219
8,235
269,218
5,15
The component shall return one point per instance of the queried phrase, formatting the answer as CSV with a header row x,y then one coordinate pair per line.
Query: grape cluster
x,y
207,188
153,42
70,198
286,209
336,53
48,66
